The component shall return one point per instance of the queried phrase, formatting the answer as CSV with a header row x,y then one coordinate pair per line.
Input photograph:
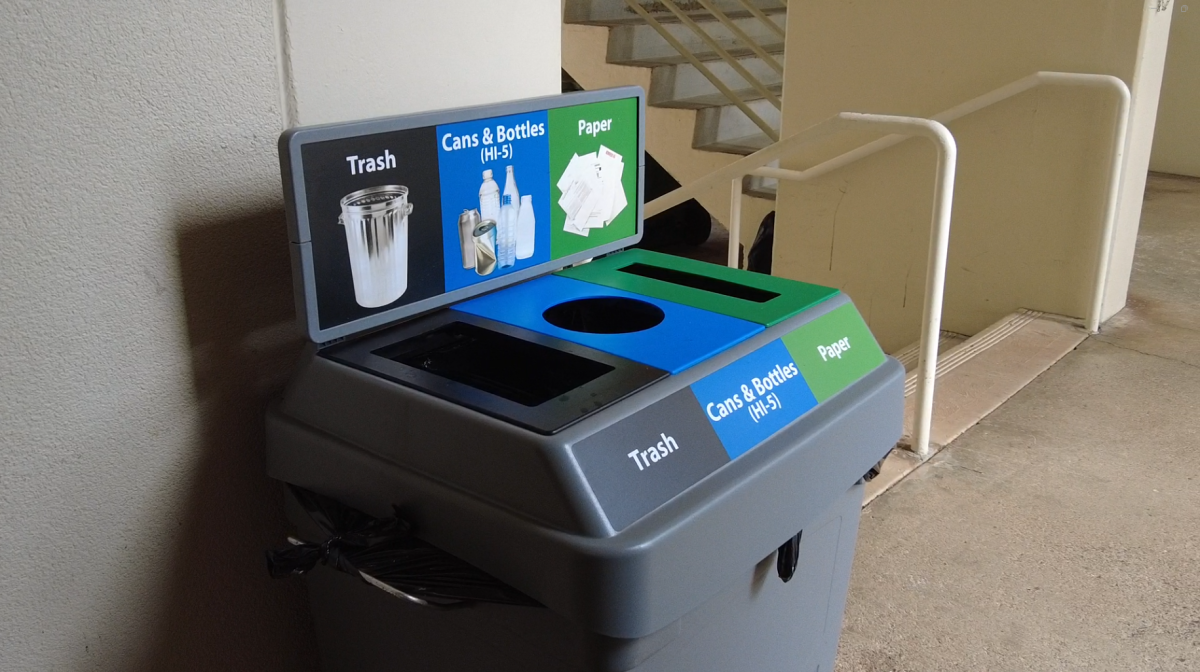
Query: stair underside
x,y
616,12
641,45
685,86
676,83
728,129
975,376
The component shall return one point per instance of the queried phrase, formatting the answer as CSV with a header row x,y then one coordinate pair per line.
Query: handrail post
x,y
1116,173
939,248
935,287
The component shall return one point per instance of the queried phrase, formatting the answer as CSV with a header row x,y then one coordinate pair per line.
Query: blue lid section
x,y
685,337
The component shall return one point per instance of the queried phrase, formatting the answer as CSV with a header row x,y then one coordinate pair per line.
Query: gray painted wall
x,y
146,317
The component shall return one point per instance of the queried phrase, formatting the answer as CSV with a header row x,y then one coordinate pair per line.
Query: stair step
x,y
760,187
728,129
616,12
684,86
911,355
978,375
641,45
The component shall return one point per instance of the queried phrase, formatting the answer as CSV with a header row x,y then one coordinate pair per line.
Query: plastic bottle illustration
x,y
506,236
526,228
489,199
510,186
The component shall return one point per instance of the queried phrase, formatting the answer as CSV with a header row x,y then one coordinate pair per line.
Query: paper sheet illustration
x,y
592,193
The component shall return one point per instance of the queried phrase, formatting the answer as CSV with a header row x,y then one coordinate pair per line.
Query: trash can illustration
x,y
639,463
376,224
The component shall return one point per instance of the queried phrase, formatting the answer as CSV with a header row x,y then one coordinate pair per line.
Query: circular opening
x,y
604,315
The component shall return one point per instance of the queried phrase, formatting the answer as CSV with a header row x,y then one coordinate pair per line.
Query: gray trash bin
x,y
629,443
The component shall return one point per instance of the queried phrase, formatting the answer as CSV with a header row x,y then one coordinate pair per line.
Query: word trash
x,y
644,458
359,166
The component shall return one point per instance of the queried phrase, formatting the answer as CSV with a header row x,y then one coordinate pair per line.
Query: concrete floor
x,y
1063,531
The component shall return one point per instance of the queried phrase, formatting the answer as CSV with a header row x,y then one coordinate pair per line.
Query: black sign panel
x,y
403,159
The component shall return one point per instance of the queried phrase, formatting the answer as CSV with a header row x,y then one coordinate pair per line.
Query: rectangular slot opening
x,y
526,373
701,282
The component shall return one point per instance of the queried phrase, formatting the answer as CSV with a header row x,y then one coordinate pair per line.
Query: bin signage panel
x,y
515,149
834,351
643,461
400,215
751,399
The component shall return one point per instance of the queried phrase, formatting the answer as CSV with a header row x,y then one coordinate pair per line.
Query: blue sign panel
x,y
491,166
751,399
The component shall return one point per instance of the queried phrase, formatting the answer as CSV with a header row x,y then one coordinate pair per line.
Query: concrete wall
x,y
145,302
367,58
1177,136
1031,173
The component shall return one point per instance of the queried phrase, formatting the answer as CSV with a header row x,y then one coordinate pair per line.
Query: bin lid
x,y
677,337
762,299
410,245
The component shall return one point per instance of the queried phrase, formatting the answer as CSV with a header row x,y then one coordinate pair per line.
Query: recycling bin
x,y
667,456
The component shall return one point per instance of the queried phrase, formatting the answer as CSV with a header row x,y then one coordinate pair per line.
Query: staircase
x,y
607,43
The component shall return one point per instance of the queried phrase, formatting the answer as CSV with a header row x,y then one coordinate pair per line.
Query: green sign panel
x,y
593,173
834,351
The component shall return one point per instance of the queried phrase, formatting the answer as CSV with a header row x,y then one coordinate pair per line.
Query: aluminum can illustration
x,y
485,247
467,221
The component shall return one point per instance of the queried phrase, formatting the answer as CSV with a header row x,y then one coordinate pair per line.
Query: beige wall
x,y
1177,137
1031,170
356,59
146,313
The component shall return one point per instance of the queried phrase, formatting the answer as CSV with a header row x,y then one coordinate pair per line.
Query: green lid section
x,y
834,350
753,297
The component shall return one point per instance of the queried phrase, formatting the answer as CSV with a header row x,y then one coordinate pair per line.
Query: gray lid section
x,y
307,279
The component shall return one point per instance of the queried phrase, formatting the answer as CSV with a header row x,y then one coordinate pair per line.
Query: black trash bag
x,y
759,259
384,554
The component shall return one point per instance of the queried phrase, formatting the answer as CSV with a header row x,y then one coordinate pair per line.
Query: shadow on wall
x,y
221,610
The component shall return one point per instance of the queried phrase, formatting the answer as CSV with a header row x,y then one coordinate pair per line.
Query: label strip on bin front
x,y
641,462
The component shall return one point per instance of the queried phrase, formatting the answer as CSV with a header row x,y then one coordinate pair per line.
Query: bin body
x,y
681,577
756,622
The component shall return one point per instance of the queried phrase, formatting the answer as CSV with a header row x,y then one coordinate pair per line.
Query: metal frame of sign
x,y
295,198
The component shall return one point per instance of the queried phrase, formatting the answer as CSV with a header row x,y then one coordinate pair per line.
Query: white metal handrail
x,y
901,128
1115,168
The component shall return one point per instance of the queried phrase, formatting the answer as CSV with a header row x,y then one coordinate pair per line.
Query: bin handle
x,y
789,557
